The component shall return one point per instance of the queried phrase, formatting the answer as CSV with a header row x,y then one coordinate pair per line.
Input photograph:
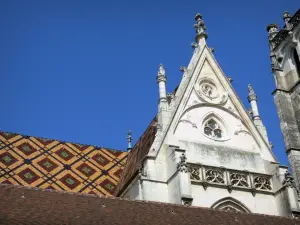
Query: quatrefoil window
x,y
213,129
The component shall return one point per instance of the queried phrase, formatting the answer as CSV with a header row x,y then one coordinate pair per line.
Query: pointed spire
x,y
201,35
129,139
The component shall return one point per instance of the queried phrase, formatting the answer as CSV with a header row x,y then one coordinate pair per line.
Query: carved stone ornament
x,y
141,170
200,27
229,209
262,183
194,172
182,165
170,98
251,96
194,45
208,91
187,201
161,75
158,137
215,176
187,119
289,181
240,129
238,179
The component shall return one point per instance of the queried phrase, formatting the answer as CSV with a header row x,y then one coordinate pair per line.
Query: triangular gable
x,y
204,66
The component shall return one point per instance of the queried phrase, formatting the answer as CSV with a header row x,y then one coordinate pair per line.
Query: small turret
x,y
252,98
161,80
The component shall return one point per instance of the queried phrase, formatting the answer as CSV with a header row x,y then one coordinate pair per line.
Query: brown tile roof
x,y
58,165
136,156
20,205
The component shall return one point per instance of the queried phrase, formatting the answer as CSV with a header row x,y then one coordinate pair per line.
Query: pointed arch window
x,y
297,61
213,129
230,204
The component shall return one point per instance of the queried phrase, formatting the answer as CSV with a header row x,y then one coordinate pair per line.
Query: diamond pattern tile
x,y
108,186
28,176
7,159
26,148
86,170
52,164
47,164
64,154
70,181
100,159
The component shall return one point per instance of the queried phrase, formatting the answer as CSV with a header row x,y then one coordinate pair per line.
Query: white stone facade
x,y
208,151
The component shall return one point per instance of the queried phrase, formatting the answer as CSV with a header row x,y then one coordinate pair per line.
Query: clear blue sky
x,y
84,71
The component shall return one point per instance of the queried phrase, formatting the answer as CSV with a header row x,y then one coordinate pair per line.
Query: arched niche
x,y
230,204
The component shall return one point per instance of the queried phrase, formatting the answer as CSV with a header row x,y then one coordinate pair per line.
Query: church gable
x,y
57,165
210,112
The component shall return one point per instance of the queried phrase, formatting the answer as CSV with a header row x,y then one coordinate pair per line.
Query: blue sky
x,y
84,71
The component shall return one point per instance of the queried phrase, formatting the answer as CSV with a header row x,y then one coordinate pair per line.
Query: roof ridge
x,y
61,141
138,201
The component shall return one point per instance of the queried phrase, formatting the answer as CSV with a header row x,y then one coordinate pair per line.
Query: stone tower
x,y
285,53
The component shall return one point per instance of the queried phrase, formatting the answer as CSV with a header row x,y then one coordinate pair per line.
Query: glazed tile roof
x,y
21,205
52,164
136,156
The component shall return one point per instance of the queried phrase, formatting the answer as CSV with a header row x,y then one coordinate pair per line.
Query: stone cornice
x,y
287,91
284,32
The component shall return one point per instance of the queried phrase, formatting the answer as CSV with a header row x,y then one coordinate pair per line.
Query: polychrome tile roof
x,y
136,156
58,165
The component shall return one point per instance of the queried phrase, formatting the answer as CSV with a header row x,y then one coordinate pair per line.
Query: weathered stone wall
x,y
288,121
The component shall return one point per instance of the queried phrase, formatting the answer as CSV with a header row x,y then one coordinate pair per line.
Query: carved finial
x,y
251,96
250,89
194,45
182,69
161,75
272,28
200,27
230,79
286,19
212,50
161,70
129,139
272,31
250,112
286,15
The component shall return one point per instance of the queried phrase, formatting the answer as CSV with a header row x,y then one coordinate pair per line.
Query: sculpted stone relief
x,y
208,91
